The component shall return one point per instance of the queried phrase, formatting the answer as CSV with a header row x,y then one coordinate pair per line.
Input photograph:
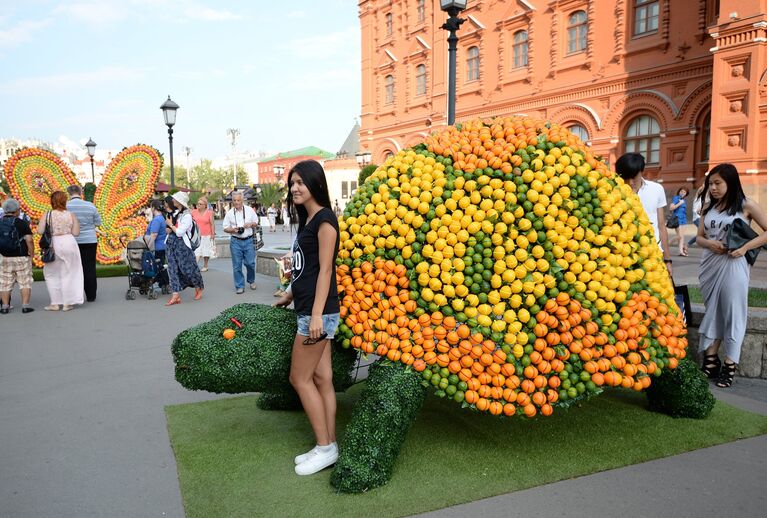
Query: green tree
x,y
180,173
365,172
271,193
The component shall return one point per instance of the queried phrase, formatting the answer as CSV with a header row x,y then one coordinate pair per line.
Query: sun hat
x,y
182,198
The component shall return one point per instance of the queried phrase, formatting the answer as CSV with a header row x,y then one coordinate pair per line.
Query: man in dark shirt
x,y
16,248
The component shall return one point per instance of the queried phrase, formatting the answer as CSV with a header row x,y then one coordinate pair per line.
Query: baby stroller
x,y
144,271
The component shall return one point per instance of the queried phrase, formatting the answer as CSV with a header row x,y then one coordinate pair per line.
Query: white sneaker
x,y
318,461
305,456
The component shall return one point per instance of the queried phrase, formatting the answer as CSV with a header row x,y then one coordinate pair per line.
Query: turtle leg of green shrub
x,y
287,400
681,392
372,440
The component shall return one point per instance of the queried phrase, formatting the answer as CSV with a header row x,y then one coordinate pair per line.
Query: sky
x,y
286,74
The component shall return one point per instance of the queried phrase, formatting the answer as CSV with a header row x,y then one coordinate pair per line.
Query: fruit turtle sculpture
x,y
499,263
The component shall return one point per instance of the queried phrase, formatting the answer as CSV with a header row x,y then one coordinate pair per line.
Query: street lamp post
x,y
169,114
233,134
91,147
453,23
188,151
363,158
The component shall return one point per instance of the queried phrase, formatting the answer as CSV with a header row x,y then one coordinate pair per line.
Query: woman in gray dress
x,y
724,274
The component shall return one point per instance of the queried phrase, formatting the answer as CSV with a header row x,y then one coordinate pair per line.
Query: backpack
x,y
148,265
10,242
194,236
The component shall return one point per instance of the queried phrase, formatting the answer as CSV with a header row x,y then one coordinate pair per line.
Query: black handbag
x,y
682,299
672,221
47,254
741,233
258,239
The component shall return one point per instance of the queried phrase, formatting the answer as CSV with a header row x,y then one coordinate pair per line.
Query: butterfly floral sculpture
x,y
126,186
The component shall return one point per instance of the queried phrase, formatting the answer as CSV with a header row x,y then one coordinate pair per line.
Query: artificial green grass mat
x,y
757,297
102,270
236,460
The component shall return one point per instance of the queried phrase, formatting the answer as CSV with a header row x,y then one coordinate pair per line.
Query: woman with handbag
x,y
182,264
64,273
679,215
315,296
203,216
724,273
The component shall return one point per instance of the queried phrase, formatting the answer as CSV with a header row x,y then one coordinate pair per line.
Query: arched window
x,y
646,13
421,10
577,30
643,137
520,48
389,24
420,80
579,131
389,88
472,64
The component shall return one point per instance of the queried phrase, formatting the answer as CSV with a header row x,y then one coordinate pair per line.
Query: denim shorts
x,y
329,324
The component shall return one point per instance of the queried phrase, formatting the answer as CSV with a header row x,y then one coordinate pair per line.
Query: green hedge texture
x,y
89,191
388,405
281,401
257,359
681,392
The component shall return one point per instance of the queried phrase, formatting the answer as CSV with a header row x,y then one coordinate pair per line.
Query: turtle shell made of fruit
x,y
507,264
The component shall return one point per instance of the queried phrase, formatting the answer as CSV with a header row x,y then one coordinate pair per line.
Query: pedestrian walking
x,y
271,215
314,294
64,275
182,265
155,236
285,218
697,205
16,251
89,218
240,222
724,274
204,219
679,210
630,167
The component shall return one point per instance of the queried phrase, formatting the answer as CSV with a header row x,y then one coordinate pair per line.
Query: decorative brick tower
x,y
739,92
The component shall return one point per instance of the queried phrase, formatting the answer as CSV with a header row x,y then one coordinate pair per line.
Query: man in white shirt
x,y
630,167
240,222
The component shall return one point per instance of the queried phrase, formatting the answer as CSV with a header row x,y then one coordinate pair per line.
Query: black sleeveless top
x,y
305,265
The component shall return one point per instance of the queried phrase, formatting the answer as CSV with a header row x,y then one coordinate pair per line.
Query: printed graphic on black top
x,y
305,265
297,261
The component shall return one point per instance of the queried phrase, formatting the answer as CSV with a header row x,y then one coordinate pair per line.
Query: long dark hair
x,y
732,203
313,176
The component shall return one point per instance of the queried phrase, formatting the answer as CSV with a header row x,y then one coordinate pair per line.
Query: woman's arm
x,y
715,246
327,242
676,204
41,224
755,212
184,225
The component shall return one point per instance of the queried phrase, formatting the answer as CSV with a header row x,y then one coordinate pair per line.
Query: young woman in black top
x,y
314,293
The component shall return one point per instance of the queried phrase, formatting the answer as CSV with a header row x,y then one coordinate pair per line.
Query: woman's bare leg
x,y
303,365
323,380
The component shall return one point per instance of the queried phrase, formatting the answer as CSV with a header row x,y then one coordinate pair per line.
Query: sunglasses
x,y
312,341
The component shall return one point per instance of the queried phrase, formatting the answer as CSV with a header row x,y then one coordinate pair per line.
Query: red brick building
x,y
286,160
683,82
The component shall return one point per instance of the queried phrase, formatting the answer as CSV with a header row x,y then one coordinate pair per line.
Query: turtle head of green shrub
x,y
257,359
